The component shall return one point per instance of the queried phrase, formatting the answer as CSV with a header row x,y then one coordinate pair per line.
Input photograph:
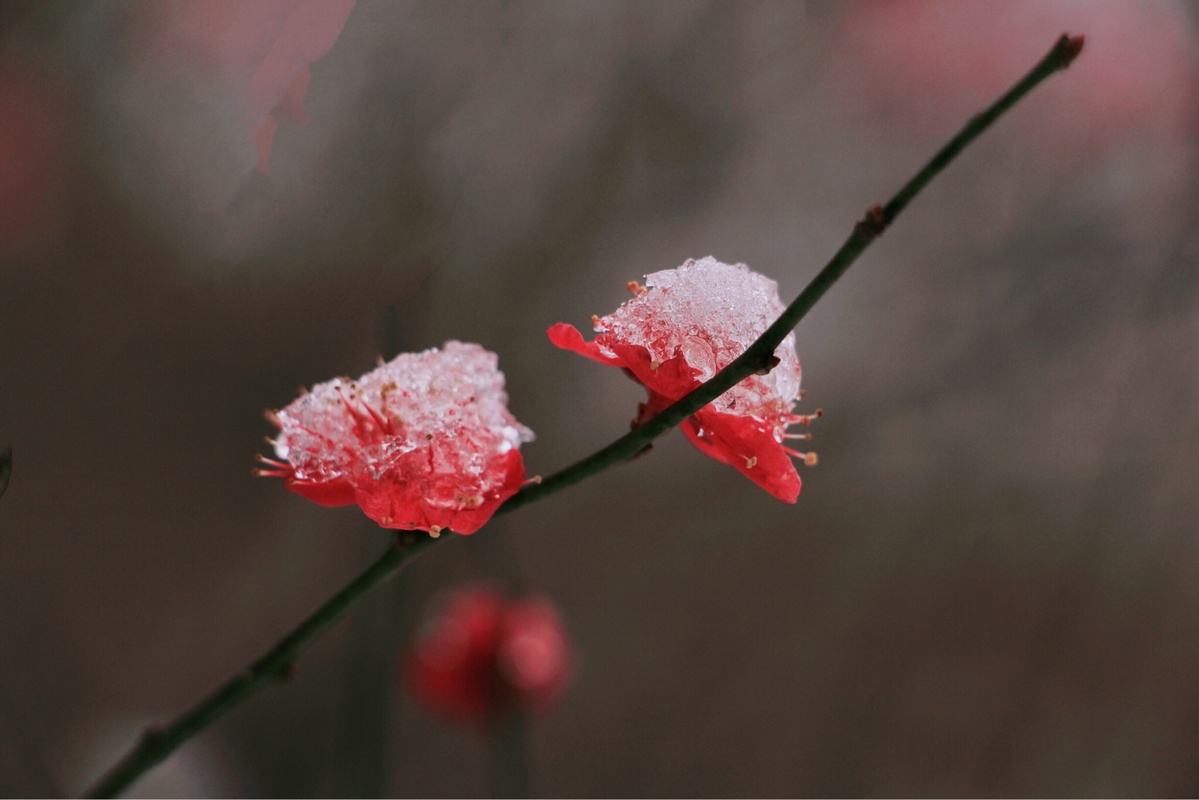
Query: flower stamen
x,y
809,459
805,419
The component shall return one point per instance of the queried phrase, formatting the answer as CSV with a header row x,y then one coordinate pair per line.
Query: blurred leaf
x,y
5,468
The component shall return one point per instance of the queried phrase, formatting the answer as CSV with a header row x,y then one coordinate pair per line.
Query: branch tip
x,y
1068,48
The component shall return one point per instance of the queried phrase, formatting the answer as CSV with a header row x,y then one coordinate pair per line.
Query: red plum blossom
x,y
423,442
678,331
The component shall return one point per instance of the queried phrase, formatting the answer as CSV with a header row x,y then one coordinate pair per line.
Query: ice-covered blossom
x,y
485,652
678,331
423,442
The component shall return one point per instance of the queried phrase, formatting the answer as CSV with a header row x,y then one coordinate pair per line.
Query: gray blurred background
x,y
989,585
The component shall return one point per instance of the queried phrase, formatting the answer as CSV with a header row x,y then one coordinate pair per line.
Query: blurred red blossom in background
x,y
424,441
484,652
678,331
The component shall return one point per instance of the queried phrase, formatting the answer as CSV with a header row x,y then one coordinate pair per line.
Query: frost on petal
x,y
424,442
678,331
484,652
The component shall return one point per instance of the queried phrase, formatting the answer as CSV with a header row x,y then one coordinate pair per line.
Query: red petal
x,y
470,520
326,493
397,501
672,379
734,440
568,337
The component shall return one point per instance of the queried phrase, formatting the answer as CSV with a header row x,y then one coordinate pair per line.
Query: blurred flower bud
x,y
483,653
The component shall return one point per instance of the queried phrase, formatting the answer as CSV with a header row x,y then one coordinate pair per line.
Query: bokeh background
x,y
989,585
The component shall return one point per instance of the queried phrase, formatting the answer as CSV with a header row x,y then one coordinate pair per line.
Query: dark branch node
x,y
875,222
1070,47
768,363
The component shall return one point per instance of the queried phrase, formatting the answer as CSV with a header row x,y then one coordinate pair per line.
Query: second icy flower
x,y
678,331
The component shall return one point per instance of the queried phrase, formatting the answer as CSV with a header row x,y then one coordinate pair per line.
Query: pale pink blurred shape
x,y
261,49
1112,138
929,62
